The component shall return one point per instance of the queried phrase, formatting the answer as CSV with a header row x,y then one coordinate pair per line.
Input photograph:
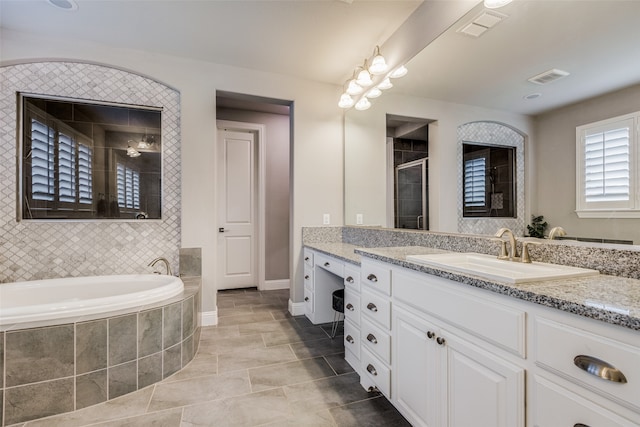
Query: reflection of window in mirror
x,y
88,160
488,181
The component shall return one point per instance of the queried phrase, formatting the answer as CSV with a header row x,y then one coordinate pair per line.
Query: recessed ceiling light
x,y
64,4
532,96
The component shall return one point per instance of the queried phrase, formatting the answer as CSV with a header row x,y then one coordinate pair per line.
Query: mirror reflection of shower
x,y
408,151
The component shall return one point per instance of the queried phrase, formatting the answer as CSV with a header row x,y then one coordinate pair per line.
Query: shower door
x,y
411,194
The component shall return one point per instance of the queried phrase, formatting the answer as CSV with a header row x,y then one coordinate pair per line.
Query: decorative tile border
x,y
39,250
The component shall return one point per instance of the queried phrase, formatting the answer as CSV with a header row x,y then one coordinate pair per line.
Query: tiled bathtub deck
x,y
259,366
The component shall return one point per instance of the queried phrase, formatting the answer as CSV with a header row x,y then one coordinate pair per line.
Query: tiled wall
x,y
61,368
36,250
500,135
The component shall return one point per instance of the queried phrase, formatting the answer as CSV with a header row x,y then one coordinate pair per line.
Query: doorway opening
x,y
253,174
408,171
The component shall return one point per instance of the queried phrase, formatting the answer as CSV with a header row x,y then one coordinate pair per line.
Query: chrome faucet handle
x,y
503,247
525,250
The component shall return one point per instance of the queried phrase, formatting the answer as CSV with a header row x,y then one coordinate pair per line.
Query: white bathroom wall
x,y
317,153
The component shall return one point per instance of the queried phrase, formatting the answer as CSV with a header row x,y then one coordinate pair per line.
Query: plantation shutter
x,y
128,181
475,182
66,168
607,175
85,180
42,161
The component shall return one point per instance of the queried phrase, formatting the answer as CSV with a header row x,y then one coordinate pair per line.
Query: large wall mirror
x,y
458,79
85,160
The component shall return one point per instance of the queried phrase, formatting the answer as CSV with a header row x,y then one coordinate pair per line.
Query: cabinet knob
x,y
306,298
372,278
326,264
349,279
349,339
306,258
306,277
431,335
372,370
371,306
350,307
599,368
372,339
441,341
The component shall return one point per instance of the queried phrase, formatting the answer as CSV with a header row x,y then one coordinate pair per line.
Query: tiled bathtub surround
x,y
61,368
39,250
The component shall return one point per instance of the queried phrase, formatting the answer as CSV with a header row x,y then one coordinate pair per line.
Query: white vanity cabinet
x,y
352,315
322,276
445,376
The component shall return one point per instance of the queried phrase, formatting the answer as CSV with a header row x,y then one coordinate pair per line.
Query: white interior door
x,y
237,210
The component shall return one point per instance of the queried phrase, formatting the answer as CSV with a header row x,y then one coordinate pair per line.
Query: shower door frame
x,y
425,212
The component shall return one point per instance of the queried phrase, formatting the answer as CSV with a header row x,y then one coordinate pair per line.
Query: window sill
x,y
608,213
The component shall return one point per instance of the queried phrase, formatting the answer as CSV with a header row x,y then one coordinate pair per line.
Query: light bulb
x,y
346,101
399,72
374,92
364,78
354,88
386,84
363,104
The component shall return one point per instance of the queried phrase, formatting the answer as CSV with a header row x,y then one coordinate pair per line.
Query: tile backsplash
x,y
37,250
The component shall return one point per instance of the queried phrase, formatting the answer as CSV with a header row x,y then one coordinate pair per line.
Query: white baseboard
x,y
296,308
272,285
209,318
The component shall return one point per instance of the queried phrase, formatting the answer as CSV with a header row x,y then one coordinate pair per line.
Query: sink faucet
x,y
166,263
557,232
513,250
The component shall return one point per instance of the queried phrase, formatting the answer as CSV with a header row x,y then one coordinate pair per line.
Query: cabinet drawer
x,y
558,347
376,276
352,278
352,338
352,306
308,277
376,340
330,264
376,371
308,301
556,406
376,307
308,258
468,309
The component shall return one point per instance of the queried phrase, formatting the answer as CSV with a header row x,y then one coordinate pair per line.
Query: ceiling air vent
x,y
548,76
481,23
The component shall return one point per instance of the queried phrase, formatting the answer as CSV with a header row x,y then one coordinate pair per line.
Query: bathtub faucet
x,y
166,263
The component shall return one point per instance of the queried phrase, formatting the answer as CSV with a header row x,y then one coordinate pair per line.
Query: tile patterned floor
x,y
258,367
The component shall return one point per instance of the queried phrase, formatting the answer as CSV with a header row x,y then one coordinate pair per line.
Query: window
x,y
606,165
60,166
128,187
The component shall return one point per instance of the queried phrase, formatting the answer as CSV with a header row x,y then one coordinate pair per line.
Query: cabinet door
x,y
416,363
483,389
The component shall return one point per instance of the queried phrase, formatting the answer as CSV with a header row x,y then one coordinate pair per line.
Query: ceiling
x,y
320,40
324,40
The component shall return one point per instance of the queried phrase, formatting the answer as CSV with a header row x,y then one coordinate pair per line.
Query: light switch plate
x,y
359,219
326,219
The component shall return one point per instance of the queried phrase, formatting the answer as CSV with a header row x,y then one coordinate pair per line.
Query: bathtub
x,y
51,299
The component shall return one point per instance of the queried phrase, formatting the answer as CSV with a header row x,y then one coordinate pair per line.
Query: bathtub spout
x,y
166,263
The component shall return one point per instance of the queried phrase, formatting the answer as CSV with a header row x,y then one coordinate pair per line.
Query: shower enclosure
x,y
411,195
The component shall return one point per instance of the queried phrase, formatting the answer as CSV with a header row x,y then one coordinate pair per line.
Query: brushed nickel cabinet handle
x,y
306,298
431,335
349,339
350,307
371,306
306,258
372,278
372,370
372,339
599,368
580,425
349,279
306,277
326,264
440,340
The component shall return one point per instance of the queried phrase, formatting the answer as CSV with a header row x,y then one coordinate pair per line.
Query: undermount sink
x,y
492,268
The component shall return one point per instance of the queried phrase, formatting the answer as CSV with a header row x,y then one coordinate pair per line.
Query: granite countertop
x,y
610,299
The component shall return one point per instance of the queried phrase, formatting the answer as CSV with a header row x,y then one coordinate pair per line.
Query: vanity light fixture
x,y
364,78
346,101
386,84
374,92
144,143
353,88
494,4
399,72
132,152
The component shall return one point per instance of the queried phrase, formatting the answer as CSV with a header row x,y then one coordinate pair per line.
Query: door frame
x,y
259,131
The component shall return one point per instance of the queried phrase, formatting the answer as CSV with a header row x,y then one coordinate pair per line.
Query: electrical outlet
x,y
359,220
326,219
